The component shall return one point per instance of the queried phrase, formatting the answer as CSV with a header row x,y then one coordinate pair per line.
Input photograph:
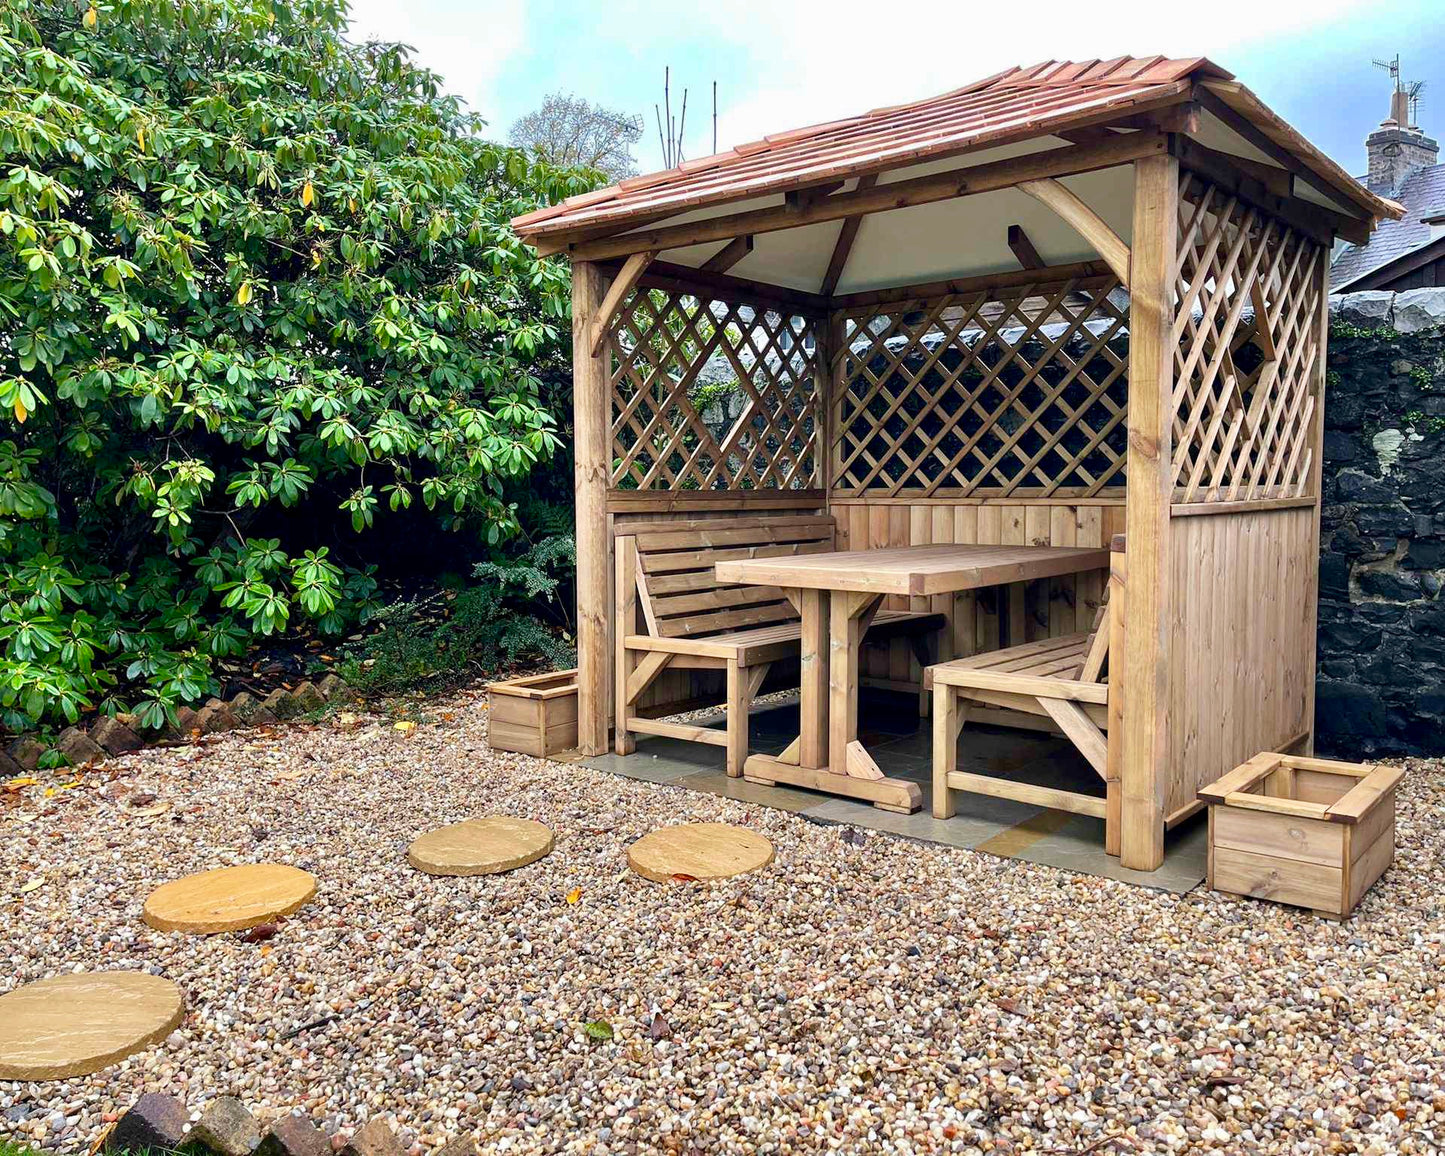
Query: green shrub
x,y
258,299
513,613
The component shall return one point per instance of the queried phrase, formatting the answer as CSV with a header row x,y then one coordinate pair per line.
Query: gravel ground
x,y
863,994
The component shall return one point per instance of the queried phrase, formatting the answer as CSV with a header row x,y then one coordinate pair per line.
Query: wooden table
x,y
837,595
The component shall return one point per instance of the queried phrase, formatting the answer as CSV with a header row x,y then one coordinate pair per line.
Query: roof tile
x,y
1010,105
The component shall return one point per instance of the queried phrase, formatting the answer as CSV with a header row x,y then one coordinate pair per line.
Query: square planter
x,y
1311,832
536,715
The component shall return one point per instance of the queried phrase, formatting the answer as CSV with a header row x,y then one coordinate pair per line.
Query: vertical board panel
x,y
1241,636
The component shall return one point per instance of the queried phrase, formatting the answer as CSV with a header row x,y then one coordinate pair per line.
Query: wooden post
x,y
1151,382
591,440
813,683
625,603
1316,443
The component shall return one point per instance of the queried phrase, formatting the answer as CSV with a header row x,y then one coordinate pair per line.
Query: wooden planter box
x,y
536,715
1311,832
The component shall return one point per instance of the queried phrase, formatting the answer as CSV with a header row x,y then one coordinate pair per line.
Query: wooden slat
x,y
1027,793
672,730
1023,684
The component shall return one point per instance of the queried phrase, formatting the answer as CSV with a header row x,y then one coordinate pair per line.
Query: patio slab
x,y
1001,827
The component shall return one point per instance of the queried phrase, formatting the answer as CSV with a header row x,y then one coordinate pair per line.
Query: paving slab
x,y
74,1025
699,851
483,846
229,898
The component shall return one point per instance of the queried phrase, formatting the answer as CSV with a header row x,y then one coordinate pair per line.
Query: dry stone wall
x,y
1381,674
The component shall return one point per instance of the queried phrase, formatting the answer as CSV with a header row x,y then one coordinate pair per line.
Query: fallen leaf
x,y
148,812
683,877
575,895
405,727
260,933
659,1029
20,782
1009,1005
599,1030
33,885
1223,1081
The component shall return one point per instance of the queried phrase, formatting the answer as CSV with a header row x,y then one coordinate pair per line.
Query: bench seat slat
x,y
703,561
820,530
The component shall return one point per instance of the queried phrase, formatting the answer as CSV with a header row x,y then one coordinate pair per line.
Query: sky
x,y
782,64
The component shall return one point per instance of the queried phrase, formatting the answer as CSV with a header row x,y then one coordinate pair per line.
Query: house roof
x,y
1422,194
1017,104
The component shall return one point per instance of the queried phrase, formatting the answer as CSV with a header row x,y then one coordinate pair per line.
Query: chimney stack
x,y
1397,148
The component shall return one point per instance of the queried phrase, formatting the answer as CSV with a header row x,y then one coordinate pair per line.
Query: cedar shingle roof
x,y
1013,105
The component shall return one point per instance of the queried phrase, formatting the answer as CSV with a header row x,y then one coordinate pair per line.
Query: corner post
x,y
1151,386
1321,281
590,430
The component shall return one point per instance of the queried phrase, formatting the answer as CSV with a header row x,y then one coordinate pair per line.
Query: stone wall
x,y
1381,684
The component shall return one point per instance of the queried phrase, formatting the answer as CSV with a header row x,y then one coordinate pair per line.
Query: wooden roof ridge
x,y
1012,105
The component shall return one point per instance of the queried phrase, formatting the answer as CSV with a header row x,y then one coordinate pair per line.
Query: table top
x,y
915,570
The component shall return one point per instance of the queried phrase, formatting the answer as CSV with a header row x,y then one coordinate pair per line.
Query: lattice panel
x,y
986,394
1247,349
710,395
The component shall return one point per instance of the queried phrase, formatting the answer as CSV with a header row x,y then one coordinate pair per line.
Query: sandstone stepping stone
x,y
480,846
229,898
73,1025
698,851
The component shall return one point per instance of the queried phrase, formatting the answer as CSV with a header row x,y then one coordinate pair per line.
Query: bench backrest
x,y
681,596
1096,650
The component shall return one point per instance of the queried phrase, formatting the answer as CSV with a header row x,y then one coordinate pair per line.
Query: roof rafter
x,y
898,195
844,245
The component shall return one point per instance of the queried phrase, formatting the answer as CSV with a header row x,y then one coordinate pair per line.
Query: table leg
x,y
813,704
848,621
833,625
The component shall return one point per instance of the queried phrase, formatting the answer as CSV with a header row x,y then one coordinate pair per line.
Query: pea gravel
x,y
861,994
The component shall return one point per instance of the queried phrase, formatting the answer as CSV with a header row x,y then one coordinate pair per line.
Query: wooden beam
x,y
725,287
844,245
1313,220
592,440
1246,128
1093,272
1023,248
729,255
1087,223
899,195
801,198
1145,661
621,286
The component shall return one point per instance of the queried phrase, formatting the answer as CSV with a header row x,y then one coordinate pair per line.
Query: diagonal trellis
x,y
1247,346
711,395
990,394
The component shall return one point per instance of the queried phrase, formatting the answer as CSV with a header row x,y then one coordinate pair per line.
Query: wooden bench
x,y
674,614
1063,679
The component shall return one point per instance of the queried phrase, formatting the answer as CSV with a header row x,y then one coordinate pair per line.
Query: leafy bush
x,y
258,297
437,643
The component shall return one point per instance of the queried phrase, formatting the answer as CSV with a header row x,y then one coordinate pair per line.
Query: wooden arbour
x,y
1063,304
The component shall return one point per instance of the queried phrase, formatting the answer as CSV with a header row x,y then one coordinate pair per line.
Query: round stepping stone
x,y
73,1025
229,898
698,851
481,846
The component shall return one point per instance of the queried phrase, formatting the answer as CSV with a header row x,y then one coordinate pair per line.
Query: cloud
x,y
469,42
816,62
